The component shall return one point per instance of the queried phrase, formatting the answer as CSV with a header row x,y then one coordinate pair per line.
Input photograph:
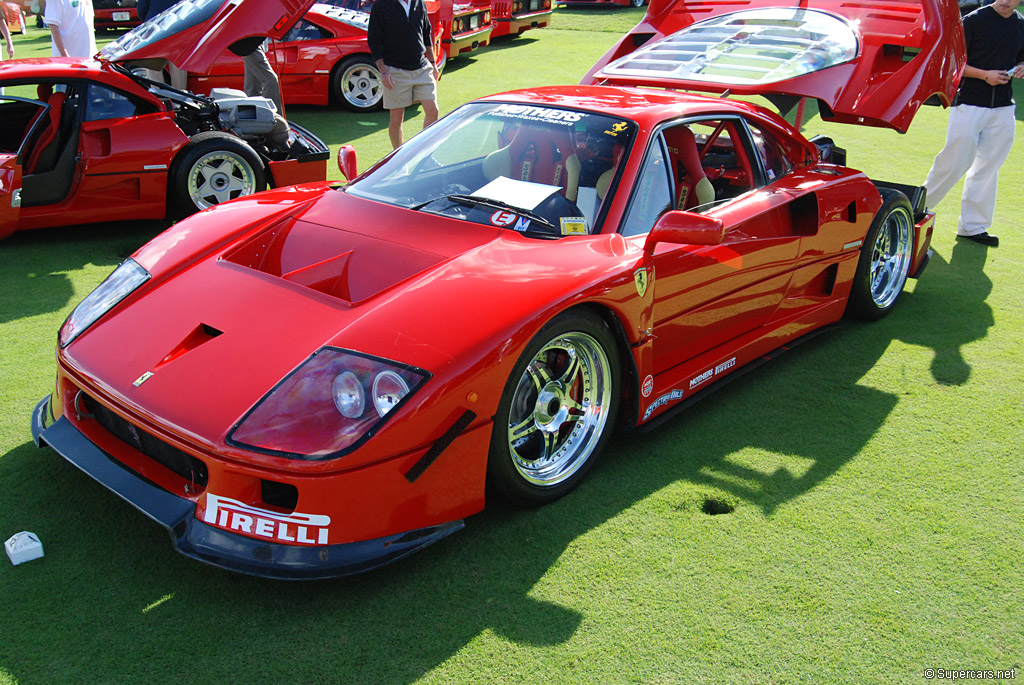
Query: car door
x,y
303,60
708,294
125,150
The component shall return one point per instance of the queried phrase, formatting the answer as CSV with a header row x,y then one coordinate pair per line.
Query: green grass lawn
x,y
875,473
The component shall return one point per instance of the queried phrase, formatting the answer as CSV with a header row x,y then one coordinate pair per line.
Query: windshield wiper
x,y
474,200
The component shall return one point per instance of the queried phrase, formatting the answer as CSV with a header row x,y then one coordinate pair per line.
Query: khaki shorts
x,y
410,87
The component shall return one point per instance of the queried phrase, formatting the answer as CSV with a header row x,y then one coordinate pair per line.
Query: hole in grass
x,y
713,506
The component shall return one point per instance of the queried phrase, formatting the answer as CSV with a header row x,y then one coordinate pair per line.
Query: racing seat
x,y
45,144
693,188
538,155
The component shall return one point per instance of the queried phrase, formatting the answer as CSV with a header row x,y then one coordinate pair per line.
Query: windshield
x,y
538,170
177,18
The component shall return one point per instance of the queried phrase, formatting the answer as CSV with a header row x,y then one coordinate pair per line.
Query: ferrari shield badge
x,y
641,280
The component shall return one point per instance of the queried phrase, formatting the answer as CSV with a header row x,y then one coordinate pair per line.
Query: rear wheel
x,y
885,258
356,84
213,168
556,412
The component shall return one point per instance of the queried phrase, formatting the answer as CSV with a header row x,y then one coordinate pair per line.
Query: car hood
x,y
872,63
193,33
219,333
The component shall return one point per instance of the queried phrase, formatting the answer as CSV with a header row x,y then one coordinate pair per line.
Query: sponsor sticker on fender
x,y
235,516
648,386
663,400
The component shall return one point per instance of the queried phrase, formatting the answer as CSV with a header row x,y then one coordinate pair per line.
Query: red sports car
x,y
14,17
512,17
84,141
115,14
323,58
466,26
324,379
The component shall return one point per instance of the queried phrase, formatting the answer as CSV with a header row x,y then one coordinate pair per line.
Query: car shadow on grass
x,y
112,601
34,264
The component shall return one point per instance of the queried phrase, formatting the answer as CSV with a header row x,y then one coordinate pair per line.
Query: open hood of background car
x,y
872,63
193,33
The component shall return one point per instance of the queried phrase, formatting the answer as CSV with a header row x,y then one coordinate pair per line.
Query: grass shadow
x,y
34,264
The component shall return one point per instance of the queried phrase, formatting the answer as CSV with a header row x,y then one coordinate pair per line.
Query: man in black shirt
x,y
981,122
402,47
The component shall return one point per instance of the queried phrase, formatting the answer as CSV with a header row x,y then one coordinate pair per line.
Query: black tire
x,y
356,85
885,257
213,168
539,451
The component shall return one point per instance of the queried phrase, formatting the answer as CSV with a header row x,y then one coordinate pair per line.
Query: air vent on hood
x,y
346,265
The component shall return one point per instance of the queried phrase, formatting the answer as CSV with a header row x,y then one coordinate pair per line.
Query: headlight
x,y
320,410
115,288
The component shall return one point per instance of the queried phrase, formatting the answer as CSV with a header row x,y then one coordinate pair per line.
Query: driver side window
x,y
653,196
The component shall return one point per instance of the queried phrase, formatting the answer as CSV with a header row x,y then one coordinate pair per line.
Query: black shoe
x,y
983,238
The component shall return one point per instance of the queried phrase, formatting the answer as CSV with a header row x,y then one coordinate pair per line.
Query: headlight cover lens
x,y
117,286
320,410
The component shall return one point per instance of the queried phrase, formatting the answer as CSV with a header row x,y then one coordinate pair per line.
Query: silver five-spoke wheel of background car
x,y
885,258
213,168
357,85
557,410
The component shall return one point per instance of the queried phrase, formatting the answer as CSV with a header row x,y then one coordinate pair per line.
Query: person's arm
x,y
58,41
428,41
993,77
6,32
375,42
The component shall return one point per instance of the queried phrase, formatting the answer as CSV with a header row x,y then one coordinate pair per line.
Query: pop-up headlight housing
x,y
117,286
328,406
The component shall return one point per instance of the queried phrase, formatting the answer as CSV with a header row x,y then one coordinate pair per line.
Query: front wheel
x,y
556,411
637,3
885,258
357,85
213,168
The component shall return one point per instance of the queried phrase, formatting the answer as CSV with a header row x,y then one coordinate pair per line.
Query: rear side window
x,y
106,103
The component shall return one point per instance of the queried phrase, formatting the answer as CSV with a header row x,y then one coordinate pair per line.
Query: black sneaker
x,y
983,238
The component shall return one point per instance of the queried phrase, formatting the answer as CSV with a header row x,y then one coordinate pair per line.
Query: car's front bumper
x,y
198,540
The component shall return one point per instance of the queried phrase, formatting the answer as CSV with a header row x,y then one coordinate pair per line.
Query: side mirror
x,y
347,162
685,228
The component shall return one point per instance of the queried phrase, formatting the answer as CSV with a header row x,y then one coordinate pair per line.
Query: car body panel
x,y
512,17
14,17
193,33
908,51
466,26
115,14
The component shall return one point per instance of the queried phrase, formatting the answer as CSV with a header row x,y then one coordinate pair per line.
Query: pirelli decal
x,y
293,528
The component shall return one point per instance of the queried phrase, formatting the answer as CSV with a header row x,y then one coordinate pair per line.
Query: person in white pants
x,y
981,122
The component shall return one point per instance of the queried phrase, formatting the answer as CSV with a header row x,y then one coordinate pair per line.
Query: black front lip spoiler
x,y
203,542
